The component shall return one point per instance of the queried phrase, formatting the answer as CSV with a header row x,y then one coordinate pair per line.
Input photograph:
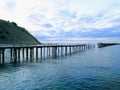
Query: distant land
x,y
11,33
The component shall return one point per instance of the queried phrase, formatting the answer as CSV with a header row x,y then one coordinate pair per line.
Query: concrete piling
x,y
41,51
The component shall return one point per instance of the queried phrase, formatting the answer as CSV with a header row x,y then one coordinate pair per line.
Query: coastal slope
x,y
11,33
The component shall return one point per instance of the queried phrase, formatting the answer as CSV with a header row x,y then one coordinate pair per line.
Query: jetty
x,y
30,53
41,51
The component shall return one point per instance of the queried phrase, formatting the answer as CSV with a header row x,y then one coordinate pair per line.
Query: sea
x,y
93,69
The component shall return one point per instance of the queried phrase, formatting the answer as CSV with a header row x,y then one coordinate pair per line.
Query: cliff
x,y
10,33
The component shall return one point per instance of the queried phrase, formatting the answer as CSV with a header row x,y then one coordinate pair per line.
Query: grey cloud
x,y
48,25
66,13
10,4
36,17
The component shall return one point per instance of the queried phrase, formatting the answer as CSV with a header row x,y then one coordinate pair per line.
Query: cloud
x,y
66,13
48,25
64,18
9,4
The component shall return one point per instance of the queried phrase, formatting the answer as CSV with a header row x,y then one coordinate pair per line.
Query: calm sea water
x,y
95,69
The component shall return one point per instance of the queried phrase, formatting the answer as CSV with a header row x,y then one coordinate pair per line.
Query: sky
x,y
65,20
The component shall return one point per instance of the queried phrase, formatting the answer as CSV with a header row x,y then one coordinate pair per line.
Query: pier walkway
x,y
18,52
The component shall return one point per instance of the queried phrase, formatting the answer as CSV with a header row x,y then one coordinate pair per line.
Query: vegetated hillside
x,y
10,33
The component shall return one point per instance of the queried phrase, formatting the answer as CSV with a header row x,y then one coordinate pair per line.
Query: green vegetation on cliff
x,y
10,33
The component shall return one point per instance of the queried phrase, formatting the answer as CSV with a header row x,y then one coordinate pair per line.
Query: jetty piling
x,y
42,51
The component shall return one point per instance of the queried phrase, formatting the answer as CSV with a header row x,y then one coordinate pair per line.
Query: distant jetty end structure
x,y
100,45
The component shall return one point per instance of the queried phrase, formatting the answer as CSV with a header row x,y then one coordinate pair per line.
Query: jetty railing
x,y
20,52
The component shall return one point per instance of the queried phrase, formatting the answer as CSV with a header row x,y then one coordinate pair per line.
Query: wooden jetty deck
x,y
31,52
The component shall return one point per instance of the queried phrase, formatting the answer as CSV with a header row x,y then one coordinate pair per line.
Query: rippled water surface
x,y
95,69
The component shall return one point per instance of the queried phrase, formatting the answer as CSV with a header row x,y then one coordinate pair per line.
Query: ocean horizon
x,y
93,69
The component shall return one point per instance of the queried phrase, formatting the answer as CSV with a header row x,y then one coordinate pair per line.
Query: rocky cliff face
x,y
10,33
